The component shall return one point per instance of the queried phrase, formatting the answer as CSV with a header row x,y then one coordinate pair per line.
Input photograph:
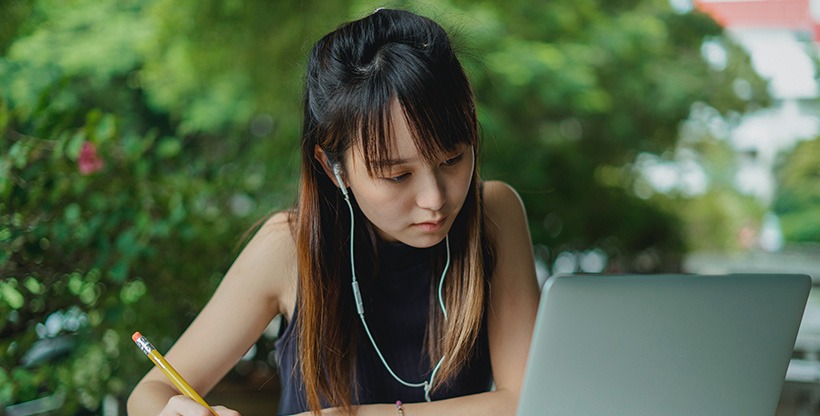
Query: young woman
x,y
402,276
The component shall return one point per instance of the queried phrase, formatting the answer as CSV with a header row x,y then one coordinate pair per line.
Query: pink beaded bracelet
x,y
398,407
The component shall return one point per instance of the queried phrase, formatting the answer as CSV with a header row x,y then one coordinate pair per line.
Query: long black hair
x,y
355,76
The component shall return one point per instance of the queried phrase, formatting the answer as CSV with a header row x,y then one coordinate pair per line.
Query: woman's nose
x,y
431,193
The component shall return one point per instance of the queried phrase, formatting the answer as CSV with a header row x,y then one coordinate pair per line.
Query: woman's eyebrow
x,y
389,163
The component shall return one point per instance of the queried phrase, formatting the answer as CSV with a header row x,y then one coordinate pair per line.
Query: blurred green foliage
x,y
797,201
571,93
186,116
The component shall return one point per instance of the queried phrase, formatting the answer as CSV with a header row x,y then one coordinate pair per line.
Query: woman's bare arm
x,y
256,287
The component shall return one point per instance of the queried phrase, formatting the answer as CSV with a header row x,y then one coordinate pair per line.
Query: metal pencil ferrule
x,y
144,345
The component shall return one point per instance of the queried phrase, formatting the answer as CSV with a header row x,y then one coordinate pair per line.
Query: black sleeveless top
x,y
396,310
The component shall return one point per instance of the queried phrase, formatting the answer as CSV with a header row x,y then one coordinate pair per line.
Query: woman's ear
x,y
328,167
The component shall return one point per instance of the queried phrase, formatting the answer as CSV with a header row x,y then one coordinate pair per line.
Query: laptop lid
x,y
662,344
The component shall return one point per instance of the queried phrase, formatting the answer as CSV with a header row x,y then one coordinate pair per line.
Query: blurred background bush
x,y
141,139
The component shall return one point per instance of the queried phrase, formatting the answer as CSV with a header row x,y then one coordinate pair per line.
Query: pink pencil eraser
x,y
136,336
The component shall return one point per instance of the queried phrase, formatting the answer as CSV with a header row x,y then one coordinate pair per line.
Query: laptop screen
x,y
662,344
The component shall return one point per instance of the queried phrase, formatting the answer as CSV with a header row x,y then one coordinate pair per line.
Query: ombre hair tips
x,y
357,76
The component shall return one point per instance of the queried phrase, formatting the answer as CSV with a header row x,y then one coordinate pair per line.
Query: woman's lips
x,y
431,225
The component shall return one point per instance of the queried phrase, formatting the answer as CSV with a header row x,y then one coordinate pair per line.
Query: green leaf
x,y
75,144
33,285
133,291
106,128
72,213
169,147
11,295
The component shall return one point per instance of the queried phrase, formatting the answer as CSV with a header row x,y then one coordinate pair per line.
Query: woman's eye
x,y
397,179
453,161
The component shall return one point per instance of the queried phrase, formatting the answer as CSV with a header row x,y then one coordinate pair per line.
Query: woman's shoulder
x,y
275,234
269,258
278,225
504,212
501,200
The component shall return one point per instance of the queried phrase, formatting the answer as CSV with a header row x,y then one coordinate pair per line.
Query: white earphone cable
x,y
357,295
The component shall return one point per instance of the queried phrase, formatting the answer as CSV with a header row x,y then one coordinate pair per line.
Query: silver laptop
x,y
662,344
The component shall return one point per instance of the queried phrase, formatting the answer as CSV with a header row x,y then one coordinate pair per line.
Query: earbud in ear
x,y
338,174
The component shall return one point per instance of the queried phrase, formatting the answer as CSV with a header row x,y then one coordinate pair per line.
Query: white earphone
x,y
338,174
357,296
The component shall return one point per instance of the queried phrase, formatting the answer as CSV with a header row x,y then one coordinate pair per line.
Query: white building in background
x,y
779,36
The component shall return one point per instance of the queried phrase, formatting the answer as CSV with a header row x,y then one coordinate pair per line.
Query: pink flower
x,y
89,162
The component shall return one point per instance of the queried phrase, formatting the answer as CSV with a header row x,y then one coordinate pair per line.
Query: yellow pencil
x,y
169,371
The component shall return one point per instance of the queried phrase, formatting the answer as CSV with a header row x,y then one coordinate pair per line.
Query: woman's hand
x,y
184,406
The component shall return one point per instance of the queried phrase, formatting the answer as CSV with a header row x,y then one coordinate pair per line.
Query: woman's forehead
x,y
397,146
394,135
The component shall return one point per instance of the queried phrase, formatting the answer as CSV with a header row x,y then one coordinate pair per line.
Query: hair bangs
x,y
439,110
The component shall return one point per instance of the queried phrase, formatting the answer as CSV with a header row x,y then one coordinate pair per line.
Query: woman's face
x,y
413,201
